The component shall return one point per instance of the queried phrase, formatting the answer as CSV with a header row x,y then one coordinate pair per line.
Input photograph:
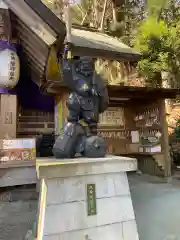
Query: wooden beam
x,y
165,140
48,17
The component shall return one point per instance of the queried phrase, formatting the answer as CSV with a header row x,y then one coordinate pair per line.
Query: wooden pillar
x,y
165,139
60,112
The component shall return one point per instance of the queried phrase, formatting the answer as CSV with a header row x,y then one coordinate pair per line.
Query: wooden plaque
x,y
112,117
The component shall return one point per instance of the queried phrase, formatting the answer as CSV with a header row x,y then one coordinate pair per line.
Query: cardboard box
x,y
8,116
17,150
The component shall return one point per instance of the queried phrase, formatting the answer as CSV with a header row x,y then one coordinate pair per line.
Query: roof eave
x,y
104,54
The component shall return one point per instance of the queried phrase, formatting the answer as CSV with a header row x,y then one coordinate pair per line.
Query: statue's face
x,y
85,66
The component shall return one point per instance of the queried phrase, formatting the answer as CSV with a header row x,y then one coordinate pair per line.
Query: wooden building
x,y
134,124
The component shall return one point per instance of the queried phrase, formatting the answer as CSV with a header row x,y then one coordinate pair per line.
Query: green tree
x,y
158,41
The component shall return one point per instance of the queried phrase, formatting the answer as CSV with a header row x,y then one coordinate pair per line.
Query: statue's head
x,y
84,65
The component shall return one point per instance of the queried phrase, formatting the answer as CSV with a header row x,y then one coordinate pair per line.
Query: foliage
x,y
150,42
154,7
171,13
159,42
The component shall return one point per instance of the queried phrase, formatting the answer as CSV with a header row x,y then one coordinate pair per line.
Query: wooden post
x,y
8,120
61,112
165,140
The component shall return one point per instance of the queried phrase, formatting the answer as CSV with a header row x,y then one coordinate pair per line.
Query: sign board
x,y
112,117
113,134
17,150
91,199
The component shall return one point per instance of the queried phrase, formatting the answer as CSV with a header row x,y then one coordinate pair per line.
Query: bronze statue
x,y
87,99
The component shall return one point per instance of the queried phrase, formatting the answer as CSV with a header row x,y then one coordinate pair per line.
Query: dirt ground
x,y
156,206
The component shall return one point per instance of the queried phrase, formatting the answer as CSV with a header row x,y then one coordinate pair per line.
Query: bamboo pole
x,y
67,20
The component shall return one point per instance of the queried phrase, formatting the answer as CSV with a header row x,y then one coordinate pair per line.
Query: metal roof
x,y
97,40
102,45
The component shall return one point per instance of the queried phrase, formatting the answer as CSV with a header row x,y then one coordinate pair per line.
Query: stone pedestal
x,y
86,199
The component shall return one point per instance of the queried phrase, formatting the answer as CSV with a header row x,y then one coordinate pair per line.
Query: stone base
x,y
63,206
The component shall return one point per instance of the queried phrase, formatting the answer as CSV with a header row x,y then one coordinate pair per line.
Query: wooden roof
x,y
142,92
120,93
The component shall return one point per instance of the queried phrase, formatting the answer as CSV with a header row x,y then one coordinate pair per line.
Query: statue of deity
x,y
87,99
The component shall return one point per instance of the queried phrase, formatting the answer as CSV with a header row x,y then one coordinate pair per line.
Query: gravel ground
x,y
156,206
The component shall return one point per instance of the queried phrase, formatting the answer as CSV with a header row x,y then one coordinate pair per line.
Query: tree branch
x,y
103,16
84,18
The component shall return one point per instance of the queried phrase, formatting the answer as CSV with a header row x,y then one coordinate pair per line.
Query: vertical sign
x,y
91,199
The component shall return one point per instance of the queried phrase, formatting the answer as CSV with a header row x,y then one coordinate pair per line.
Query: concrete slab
x,y
156,206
